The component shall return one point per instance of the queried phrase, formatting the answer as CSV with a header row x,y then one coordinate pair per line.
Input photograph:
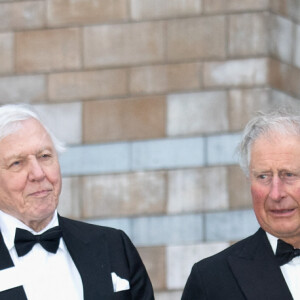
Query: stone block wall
x,y
151,96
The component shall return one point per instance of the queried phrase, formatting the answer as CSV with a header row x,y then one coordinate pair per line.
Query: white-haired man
x,y
44,256
265,265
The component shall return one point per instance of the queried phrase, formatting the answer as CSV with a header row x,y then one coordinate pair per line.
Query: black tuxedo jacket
x,y
246,270
96,251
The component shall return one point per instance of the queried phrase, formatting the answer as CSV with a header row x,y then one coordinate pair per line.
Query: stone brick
x,y
219,6
193,190
168,153
164,78
239,188
124,44
243,104
221,149
279,99
168,295
124,194
237,5
6,15
66,12
246,72
180,260
6,53
296,59
153,9
154,259
248,34
288,8
123,119
87,85
47,50
231,225
155,230
284,77
281,38
29,14
195,113
26,89
22,15
96,159
196,38
64,120
70,198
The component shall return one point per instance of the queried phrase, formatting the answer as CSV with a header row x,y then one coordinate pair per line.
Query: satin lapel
x,y
5,259
6,262
257,272
91,259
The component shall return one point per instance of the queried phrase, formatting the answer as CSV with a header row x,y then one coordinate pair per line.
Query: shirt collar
x,y
273,241
8,225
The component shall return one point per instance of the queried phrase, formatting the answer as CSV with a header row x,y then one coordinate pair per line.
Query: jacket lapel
x,y
91,260
16,293
257,271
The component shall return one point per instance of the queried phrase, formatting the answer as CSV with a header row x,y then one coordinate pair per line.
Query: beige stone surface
x,y
181,258
248,34
237,5
202,37
66,12
196,113
287,8
22,15
124,194
282,37
64,120
124,44
200,189
6,53
153,9
27,89
47,50
164,78
247,73
70,197
87,85
221,6
6,15
296,56
154,259
243,104
29,14
284,77
239,189
123,119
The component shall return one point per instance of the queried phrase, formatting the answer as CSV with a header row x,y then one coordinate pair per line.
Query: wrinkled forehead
x,y
25,133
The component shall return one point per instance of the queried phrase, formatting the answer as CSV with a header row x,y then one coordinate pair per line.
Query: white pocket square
x,y
9,278
119,283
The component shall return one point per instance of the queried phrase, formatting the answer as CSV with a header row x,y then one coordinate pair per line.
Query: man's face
x,y
30,179
275,185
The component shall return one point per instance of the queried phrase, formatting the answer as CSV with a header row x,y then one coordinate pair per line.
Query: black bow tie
x,y
285,252
25,240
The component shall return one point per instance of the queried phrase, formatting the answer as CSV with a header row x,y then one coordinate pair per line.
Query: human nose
x,y
277,191
35,172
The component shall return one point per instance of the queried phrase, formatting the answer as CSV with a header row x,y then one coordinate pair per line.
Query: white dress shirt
x,y
290,271
44,275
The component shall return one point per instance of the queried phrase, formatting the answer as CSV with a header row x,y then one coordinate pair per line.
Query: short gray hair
x,y
280,120
12,114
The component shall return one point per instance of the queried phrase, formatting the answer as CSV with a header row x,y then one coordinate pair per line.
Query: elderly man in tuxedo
x,y
45,256
265,265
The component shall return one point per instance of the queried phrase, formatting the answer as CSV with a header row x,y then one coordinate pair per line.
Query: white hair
x,y
264,124
11,116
